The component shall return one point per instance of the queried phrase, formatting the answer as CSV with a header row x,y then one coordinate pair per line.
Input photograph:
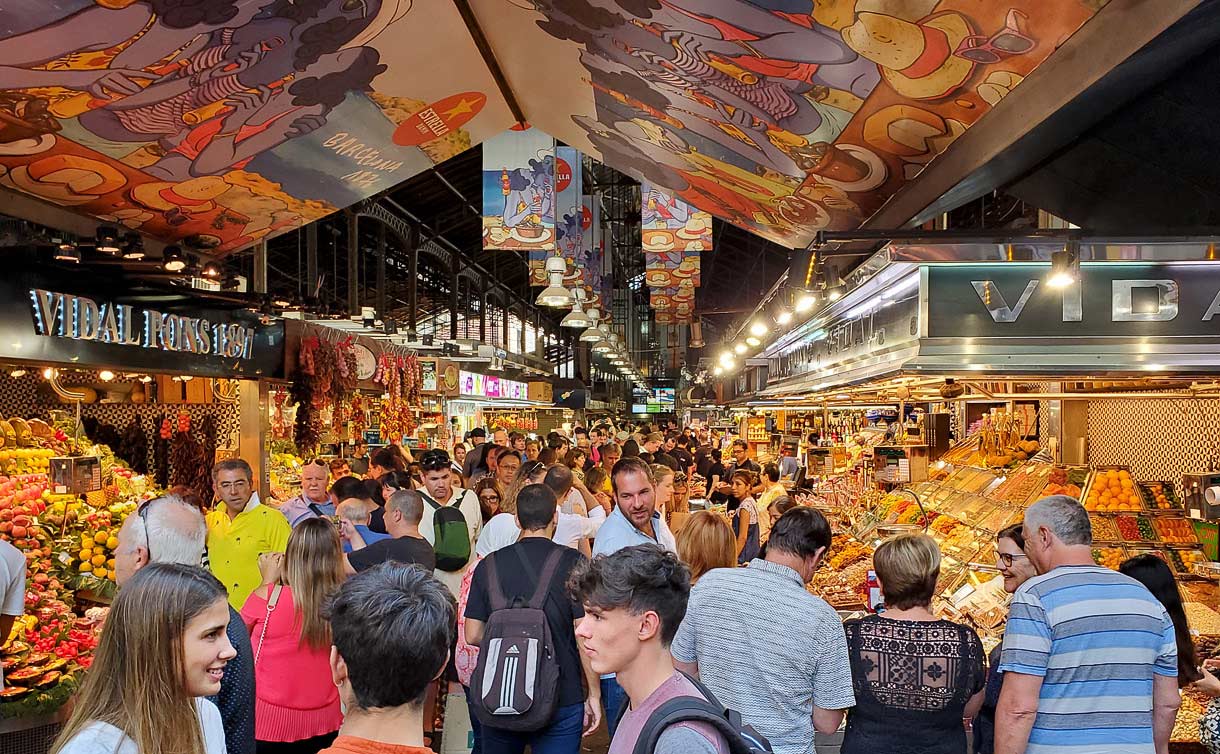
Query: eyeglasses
x,y
142,512
1006,42
318,462
492,496
434,460
1007,558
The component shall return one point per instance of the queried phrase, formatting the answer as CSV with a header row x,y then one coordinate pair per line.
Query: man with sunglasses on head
x,y
240,529
170,530
314,500
438,493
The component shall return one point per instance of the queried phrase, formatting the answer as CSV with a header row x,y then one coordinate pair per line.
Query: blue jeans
x,y
562,736
613,698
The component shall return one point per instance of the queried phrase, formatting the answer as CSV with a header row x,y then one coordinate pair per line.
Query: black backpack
x,y
450,535
515,685
741,738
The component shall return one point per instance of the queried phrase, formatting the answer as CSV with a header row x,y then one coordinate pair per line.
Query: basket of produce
x,y
1183,561
1175,531
1112,489
1066,480
1161,495
1104,528
1136,528
1023,484
1110,557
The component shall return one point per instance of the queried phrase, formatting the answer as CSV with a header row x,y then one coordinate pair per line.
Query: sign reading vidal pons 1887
x,y
64,315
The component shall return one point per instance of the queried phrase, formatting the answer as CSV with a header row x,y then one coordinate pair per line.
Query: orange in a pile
x,y
1113,490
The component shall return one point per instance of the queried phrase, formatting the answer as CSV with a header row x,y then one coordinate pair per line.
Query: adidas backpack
x,y
741,738
450,536
515,685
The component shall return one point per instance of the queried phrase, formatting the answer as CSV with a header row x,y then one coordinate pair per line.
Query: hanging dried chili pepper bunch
x,y
325,371
346,369
389,375
357,416
413,379
307,432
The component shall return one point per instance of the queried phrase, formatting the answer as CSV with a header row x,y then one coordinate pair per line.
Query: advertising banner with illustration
x,y
591,249
519,191
569,212
214,125
783,118
670,224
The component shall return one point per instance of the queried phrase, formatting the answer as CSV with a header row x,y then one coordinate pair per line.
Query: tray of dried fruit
x,y
1111,489
971,479
1136,527
1023,485
1110,557
999,517
1183,561
1175,531
1161,496
1104,528
1066,480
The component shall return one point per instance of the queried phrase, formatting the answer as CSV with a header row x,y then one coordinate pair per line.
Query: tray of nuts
x,y
1104,528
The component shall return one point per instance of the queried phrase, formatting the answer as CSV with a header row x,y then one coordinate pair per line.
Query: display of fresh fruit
x,y
1136,529
1112,490
1161,495
1176,531
1110,557
96,554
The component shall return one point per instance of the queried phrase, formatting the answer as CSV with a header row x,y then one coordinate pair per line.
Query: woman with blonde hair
x,y
162,650
915,677
706,542
663,487
296,707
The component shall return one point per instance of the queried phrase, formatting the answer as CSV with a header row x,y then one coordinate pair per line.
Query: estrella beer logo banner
x,y
569,212
519,191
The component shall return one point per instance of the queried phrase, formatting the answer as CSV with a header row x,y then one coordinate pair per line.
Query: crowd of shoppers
x,y
553,591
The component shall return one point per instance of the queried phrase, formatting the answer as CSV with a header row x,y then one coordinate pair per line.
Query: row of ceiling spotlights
x,y
130,247
761,327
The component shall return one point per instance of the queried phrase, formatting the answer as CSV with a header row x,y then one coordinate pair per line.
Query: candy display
x,y
1136,529
1162,495
1110,557
1175,531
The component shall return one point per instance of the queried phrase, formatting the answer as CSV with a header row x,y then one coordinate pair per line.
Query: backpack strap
x,y
683,709
428,499
544,580
495,593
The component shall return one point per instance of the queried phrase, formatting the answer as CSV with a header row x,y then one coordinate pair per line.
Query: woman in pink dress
x,y
296,705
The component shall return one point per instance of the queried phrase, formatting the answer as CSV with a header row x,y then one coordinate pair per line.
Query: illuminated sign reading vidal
x,y
63,315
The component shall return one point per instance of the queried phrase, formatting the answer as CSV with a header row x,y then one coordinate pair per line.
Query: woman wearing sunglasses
x,y
490,497
1016,570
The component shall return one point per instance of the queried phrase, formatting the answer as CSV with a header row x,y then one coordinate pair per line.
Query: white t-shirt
x,y
469,506
12,585
104,738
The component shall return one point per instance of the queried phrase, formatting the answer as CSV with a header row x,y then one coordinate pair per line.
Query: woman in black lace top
x,y
916,678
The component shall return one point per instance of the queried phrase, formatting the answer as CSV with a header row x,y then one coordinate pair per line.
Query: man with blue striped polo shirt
x,y
1090,662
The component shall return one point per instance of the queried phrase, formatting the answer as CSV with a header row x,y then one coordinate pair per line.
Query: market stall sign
x,y
488,386
1014,300
63,315
427,371
850,339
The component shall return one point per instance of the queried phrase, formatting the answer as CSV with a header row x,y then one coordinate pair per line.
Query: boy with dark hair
x,y
634,601
392,627
513,575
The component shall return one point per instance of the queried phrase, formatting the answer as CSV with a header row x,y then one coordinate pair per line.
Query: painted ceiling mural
x,y
215,123
783,117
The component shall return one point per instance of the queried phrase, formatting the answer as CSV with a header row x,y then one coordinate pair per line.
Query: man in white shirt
x,y
12,590
580,515
439,489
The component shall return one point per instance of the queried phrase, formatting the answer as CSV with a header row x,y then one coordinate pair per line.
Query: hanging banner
x,y
519,191
674,305
671,269
590,259
569,212
669,224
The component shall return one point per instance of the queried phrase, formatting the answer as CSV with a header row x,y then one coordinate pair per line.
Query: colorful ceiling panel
x,y
214,123
784,117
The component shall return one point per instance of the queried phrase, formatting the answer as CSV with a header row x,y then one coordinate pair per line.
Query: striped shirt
x,y
1097,638
767,648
